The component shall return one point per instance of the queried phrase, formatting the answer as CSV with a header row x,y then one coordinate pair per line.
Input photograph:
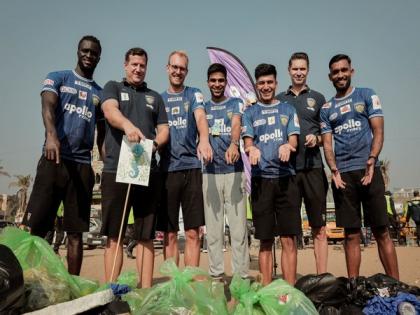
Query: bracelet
x,y
373,157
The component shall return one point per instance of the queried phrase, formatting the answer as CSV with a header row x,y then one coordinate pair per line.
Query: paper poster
x,y
134,162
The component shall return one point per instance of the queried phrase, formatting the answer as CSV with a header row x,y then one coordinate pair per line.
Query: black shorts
x,y
312,187
275,207
144,200
372,197
182,188
68,182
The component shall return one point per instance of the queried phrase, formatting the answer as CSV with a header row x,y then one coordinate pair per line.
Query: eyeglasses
x,y
176,68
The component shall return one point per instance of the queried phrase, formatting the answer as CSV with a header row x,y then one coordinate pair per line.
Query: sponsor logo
x,y
346,101
311,102
259,122
269,111
68,89
186,106
376,103
84,84
229,114
175,110
96,100
350,126
199,97
48,82
323,125
360,107
167,109
83,95
209,116
82,111
175,99
124,96
333,116
271,120
345,109
284,120
296,120
178,123
218,107
150,99
149,106
234,91
276,136
241,107
326,105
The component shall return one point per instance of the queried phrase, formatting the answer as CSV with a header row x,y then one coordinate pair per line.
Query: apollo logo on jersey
x,y
350,126
178,123
276,136
83,111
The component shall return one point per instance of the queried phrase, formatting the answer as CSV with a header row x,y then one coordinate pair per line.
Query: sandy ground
x,y
408,259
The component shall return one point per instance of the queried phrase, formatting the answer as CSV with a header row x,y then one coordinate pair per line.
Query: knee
x,y
74,238
319,233
192,235
288,243
266,245
171,237
381,233
352,235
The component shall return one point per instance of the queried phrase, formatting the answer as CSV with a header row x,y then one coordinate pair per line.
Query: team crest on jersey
x,y
95,100
83,95
229,114
198,97
234,91
150,99
326,105
284,120
359,107
271,120
311,102
376,103
186,106
345,109
175,110
209,116
124,96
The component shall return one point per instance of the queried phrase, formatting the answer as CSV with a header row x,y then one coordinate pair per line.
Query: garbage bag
x,y
324,289
190,291
276,298
11,282
129,278
34,252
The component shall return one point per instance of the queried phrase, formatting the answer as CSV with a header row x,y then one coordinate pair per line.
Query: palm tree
x,y
22,183
385,165
2,171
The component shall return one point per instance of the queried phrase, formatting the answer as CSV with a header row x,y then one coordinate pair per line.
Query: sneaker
x,y
218,277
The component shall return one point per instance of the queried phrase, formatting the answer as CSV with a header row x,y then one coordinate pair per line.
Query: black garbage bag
x,y
324,290
12,287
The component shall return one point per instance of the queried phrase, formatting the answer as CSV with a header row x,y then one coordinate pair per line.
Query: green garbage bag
x,y
276,298
34,252
128,278
190,291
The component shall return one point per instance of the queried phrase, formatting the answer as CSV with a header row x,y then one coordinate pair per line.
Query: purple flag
x,y
239,84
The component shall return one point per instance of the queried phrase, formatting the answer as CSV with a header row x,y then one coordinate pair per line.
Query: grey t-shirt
x,y
308,105
142,106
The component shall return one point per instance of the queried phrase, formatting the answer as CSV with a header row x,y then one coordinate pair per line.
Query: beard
x,y
343,89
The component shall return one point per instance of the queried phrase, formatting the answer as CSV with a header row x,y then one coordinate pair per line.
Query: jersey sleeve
x,y
238,108
247,129
197,100
321,100
98,107
373,104
110,91
162,117
293,126
324,122
52,82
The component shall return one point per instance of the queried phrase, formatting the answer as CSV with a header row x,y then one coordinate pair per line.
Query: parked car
x,y
93,238
334,233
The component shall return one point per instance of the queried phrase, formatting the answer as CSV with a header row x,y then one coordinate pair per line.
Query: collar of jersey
x,y
137,88
266,105
81,78
344,97
221,103
306,89
170,93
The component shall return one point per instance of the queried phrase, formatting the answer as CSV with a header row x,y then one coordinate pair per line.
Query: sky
x,y
381,37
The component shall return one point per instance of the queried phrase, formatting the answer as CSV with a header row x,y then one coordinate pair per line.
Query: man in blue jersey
x,y
182,160
134,110
310,175
223,178
270,134
354,119
70,108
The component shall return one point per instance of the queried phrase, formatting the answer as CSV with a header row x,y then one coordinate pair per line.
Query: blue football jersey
x,y
269,126
78,109
219,117
181,151
347,119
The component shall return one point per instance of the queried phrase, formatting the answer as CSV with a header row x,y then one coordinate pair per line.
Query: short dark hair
x,y
265,69
90,38
299,55
416,193
136,51
216,67
339,57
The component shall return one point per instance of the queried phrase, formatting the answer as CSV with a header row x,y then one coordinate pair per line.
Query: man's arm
x,y
253,152
232,153
117,120
203,149
100,137
330,158
286,149
49,101
377,126
162,136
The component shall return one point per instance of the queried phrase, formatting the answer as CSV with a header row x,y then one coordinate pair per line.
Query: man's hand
x,y
336,178
132,132
311,141
52,148
204,152
232,154
254,155
284,152
370,167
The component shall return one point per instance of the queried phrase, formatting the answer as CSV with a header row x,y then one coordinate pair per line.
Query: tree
x,y
22,183
385,165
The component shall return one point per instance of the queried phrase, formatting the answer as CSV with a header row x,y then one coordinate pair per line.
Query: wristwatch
x,y
235,142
